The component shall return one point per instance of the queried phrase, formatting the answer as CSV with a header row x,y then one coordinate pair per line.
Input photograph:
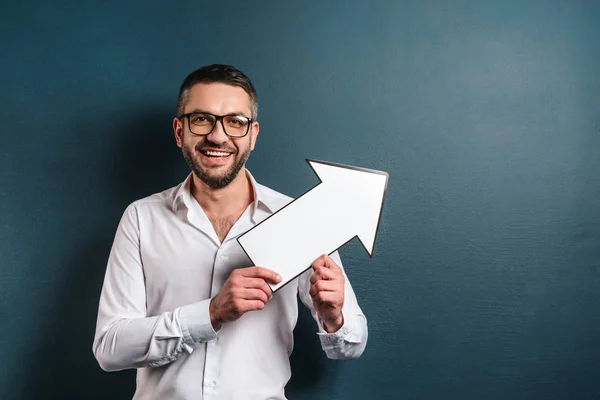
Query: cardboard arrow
x,y
346,204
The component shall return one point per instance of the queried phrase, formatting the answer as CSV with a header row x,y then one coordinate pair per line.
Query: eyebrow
x,y
198,110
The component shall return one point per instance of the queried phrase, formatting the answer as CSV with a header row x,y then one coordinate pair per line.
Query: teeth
x,y
216,153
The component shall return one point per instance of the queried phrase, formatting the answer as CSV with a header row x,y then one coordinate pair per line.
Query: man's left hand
x,y
327,292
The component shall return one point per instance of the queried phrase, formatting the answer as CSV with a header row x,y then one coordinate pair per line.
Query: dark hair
x,y
217,73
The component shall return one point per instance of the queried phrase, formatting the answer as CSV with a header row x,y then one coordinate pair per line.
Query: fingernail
x,y
278,278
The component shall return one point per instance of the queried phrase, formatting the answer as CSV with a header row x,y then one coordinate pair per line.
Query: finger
x,y
257,283
319,262
331,298
326,262
263,273
323,286
255,294
252,305
329,263
323,273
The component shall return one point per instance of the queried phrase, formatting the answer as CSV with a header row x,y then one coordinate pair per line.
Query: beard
x,y
215,182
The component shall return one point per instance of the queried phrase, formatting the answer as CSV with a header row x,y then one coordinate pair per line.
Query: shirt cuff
x,y
195,323
346,333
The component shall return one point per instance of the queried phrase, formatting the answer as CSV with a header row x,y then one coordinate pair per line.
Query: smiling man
x,y
181,301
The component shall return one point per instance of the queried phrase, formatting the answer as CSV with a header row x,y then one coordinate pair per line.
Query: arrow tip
x,y
362,191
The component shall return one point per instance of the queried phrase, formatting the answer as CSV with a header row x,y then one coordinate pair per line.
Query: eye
x,y
236,121
201,119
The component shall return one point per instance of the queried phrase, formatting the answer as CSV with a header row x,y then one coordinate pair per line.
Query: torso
x,y
222,225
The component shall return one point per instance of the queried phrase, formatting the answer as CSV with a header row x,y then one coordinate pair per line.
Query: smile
x,y
213,153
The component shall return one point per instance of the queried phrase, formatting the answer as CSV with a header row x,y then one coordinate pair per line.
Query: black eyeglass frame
x,y
217,118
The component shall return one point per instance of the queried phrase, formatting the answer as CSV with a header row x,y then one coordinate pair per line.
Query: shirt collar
x,y
262,197
182,193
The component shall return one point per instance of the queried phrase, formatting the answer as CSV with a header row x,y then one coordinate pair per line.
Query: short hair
x,y
217,73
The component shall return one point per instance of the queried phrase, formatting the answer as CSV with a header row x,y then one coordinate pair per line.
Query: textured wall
x,y
486,274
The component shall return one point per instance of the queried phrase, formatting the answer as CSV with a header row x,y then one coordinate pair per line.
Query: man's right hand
x,y
245,290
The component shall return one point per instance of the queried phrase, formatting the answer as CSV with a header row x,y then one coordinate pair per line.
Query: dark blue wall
x,y
485,281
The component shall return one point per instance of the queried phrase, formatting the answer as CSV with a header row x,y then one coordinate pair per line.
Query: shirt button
x,y
211,384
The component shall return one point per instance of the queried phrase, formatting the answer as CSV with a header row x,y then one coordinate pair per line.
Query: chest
x,y
183,266
222,225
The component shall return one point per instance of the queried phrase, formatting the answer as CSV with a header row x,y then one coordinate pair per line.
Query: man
x,y
181,301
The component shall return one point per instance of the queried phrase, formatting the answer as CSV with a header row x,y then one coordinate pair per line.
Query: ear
x,y
254,134
178,131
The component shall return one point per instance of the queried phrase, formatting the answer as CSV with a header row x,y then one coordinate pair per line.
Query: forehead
x,y
218,98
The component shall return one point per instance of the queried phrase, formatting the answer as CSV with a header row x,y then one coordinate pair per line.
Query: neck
x,y
224,201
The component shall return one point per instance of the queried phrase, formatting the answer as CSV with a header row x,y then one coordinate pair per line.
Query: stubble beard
x,y
214,182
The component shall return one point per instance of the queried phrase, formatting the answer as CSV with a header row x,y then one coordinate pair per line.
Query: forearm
x,y
123,343
338,342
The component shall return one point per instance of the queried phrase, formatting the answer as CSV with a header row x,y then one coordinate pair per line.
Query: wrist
x,y
335,325
214,319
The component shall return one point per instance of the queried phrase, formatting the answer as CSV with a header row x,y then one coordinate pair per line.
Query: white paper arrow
x,y
346,204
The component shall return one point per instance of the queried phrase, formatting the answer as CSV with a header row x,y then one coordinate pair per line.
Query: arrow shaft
x,y
345,204
307,227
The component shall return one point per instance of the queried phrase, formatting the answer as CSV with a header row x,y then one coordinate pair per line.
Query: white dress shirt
x,y
165,265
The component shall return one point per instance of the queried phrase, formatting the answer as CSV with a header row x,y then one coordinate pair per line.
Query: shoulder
x,y
156,201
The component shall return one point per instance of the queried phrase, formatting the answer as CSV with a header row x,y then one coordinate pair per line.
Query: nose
x,y
218,134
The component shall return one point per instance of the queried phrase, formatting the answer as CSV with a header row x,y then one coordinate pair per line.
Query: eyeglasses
x,y
202,123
